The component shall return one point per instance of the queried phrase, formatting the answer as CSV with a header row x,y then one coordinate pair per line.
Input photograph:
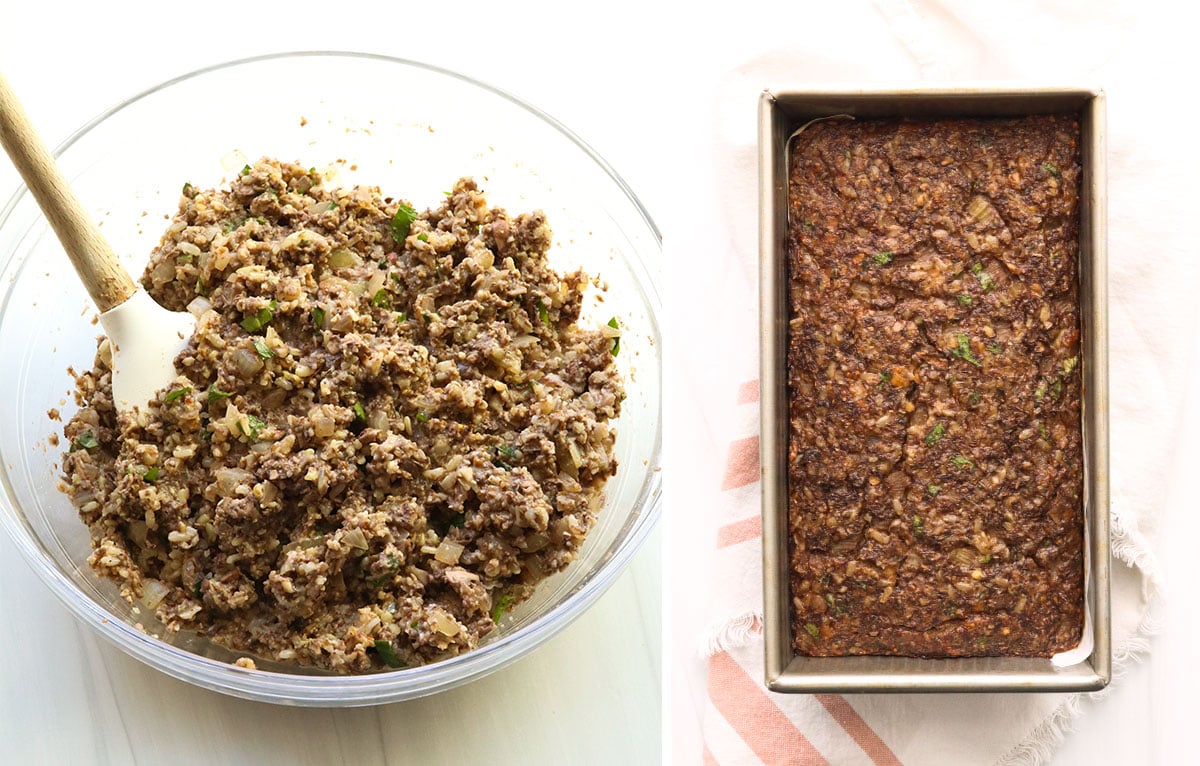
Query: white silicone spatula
x,y
145,337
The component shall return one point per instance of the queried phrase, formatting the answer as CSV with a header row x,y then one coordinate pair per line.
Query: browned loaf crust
x,y
935,475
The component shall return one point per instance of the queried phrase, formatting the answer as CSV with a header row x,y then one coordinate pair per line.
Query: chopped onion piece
x,y
153,592
444,624
448,552
199,306
355,539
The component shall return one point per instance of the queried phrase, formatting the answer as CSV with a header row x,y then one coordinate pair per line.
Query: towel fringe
x,y
733,633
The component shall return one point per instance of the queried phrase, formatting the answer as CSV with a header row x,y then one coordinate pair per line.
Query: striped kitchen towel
x,y
745,724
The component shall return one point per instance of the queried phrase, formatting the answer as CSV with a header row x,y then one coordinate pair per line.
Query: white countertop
x,y
591,695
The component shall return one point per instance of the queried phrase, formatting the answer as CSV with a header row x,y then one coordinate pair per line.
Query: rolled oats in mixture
x,y
387,429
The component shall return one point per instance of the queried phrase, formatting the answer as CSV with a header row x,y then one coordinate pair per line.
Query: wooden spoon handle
x,y
102,274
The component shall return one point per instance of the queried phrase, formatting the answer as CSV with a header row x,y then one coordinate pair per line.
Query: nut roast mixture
x,y
386,430
935,462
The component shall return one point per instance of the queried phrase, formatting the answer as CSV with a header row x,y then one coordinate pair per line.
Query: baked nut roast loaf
x,y
935,476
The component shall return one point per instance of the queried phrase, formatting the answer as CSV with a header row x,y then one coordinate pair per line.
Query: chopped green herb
x,y
975,397
382,299
263,349
259,319
617,340
200,288
918,526
1070,364
421,416
505,454
812,630
543,314
502,605
423,237
176,395
401,316
360,414
388,654
318,317
976,268
995,348
402,222
215,394
183,258
1056,389
85,440
151,474
271,193
196,587
1050,168
963,351
964,299
933,490
186,188
963,462
427,318
935,434
256,426
885,376
1040,392
1043,432
245,170
883,257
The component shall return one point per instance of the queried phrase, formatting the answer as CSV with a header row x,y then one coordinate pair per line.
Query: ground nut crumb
x,y
388,428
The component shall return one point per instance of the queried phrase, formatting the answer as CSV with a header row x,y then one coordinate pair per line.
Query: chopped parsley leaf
x,y
935,434
812,630
401,316
616,340
502,605
318,317
963,351
259,319
186,188
423,237
360,414
986,281
177,394
975,397
995,348
151,474
263,349
1043,432
918,526
256,426
421,416
885,376
933,490
964,299
543,314
382,299
1056,389
962,461
215,394
1050,168
977,268
85,440
1040,392
1070,364
883,257
245,170
402,222
388,654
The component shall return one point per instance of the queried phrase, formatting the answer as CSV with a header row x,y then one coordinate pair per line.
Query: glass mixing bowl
x,y
408,128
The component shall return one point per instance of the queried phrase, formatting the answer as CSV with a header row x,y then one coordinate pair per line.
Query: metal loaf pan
x,y
780,114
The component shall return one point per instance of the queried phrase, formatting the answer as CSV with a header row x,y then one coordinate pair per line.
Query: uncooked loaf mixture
x,y
387,428
935,466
